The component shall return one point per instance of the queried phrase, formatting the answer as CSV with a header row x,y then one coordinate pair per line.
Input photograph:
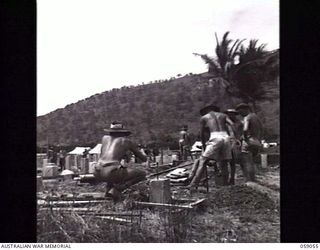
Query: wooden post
x,y
157,170
67,164
264,160
76,160
161,156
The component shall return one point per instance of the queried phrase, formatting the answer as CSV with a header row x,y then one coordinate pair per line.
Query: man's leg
x,y
248,166
109,186
131,177
194,169
232,171
181,151
199,172
185,155
223,165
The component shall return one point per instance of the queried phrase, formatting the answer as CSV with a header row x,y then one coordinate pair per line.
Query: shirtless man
x,y
251,141
184,143
235,132
110,167
218,147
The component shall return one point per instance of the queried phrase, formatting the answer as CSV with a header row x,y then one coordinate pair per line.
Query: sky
x,y
85,47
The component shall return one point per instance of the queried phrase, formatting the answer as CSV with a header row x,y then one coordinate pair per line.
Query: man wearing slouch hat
x,y
109,168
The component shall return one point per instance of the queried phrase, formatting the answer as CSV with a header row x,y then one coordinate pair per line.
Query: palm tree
x,y
253,72
225,53
252,52
247,78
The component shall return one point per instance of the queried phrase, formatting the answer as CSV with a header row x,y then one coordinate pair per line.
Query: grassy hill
x,y
154,112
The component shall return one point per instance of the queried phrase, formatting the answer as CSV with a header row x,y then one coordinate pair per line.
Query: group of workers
x,y
226,140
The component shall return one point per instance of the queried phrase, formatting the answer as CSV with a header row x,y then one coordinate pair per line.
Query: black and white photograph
x,y
158,121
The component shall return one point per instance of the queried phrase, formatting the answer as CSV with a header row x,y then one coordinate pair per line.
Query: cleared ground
x,y
245,212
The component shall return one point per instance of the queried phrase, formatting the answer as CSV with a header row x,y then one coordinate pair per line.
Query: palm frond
x,y
212,65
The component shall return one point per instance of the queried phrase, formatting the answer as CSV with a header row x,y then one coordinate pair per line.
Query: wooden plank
x,y
164,205
75,209
168,170
113,219
70,203
184,200
87,211
196,203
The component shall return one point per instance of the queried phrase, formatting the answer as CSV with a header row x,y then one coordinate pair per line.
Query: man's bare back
x,y
253,126
115,149
214,121
217,148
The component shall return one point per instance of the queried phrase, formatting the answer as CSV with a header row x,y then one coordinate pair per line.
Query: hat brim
x,y
232,112
113,131
205,109
242,106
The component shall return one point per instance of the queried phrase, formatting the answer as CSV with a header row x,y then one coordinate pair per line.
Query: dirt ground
x,y
245,212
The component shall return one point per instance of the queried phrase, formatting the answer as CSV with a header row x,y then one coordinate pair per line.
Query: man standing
x,y
235,132
251,141
218,147
115,145
62,159
184,143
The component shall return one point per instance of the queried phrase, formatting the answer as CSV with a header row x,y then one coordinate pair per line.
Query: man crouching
x,y
115,146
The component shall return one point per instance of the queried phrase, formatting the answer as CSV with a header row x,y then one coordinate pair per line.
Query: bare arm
x,y
230,130
245,127
103,142
202,132
229,121
137,152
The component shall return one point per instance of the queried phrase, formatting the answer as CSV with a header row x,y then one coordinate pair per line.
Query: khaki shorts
x,y
218,148
112,172
253,146
115,173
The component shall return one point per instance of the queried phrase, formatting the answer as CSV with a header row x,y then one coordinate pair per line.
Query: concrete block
x,y
40,158
67,177
160,191
175,157
39,184
84,166
158,158
50,171
68,162
92,167
45,162
51,184
167,159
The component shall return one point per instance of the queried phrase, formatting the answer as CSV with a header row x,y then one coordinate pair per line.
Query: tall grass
x,y
166,225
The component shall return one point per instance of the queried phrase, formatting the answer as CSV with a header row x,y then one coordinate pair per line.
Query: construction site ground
x,y
244,212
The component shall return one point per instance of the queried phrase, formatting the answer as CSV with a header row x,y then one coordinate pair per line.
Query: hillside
x,y
154,112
